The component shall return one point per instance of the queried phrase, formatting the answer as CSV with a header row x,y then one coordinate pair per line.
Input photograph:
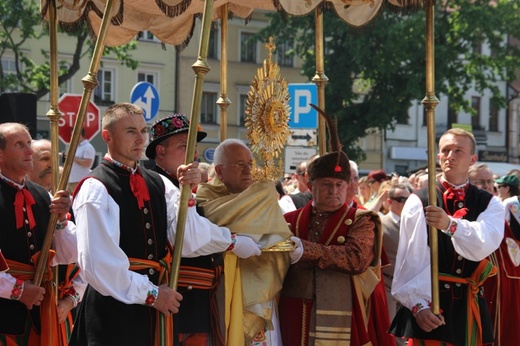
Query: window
x,y
282,50
402,119
475,119
208,109
247,47
8,66
9,69
147,36
493,117
242,109
104,92
150,77
477,47
213,44
64,87
453,117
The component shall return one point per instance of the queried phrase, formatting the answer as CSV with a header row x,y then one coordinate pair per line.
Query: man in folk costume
x,y
471,227
28,314
324,296
70,286
502,290
378,319
252,286
197,322
128,219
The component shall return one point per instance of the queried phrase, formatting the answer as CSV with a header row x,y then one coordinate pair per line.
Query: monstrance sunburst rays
x,y
267,117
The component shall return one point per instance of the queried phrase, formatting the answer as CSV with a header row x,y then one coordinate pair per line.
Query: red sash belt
x,y
198,278
473,326
51,333
164,323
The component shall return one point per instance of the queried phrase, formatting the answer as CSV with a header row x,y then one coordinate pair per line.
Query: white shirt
x,y
286,204
511,204
85,150
473,240
105,266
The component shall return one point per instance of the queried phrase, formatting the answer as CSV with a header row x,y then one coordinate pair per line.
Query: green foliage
x,y
376,72
21,21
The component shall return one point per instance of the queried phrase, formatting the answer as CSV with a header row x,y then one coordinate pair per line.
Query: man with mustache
x,y
41,172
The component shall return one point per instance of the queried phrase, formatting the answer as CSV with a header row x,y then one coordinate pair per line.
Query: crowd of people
x,y
320,257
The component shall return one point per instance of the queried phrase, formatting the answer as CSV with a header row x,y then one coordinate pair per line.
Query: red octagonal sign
x,y
69,107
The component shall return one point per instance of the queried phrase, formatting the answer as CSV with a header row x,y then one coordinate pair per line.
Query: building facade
x,y
497,132
172,75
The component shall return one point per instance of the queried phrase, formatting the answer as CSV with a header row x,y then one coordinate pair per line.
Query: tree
x,y
375,72
20,22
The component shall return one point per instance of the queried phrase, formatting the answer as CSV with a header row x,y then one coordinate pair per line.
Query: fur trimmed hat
x,y
335,164
167,127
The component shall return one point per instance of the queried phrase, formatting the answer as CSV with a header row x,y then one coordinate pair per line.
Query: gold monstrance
x,y
267,117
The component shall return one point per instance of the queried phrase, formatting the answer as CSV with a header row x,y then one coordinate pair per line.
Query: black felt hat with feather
x,y
334,164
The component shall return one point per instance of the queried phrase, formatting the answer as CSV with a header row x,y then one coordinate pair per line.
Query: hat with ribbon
x,y
167,127
335,164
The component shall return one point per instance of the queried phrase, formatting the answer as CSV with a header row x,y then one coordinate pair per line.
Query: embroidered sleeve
x,y
452,227
16,292
73,296
152,295
353,257
418,307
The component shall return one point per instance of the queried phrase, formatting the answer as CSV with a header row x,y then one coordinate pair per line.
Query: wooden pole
x,y
320,79
430,102
224,100
201,68
54,114
89,83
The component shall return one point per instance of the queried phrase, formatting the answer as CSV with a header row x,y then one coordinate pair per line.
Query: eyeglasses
x,y
301,173
286,178
400,199
483,182
242,165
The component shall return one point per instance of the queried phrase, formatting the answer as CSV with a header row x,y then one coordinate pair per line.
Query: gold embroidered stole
x,y
256,280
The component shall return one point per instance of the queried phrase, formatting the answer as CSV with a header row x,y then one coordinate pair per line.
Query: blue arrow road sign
x,y
303,116
145,95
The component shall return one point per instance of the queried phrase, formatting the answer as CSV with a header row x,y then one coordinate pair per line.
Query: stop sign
x,y
69,107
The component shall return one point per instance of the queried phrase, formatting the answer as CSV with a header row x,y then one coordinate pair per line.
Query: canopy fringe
x,y
173,11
